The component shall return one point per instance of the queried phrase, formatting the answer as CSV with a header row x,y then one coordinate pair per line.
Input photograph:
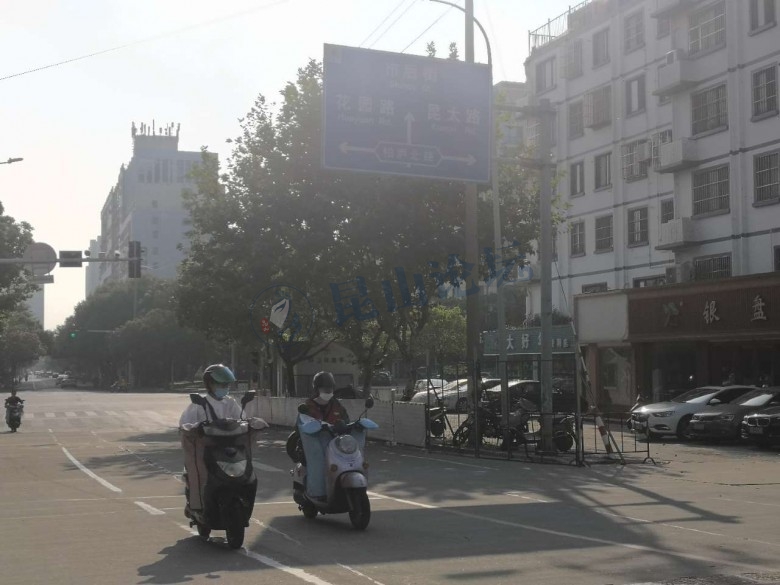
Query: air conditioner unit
x,y
679,273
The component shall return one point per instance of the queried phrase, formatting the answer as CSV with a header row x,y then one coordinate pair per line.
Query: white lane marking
x,y
276,531
358,573
147,508
268,468
748,502
516,495
269,562
573,536
50,415
449,462
70,414
90,413
112,413
94,476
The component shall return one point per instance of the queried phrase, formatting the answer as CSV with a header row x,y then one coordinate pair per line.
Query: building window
x,y
667,210
601,48
634,32
635,157
154,251
766,177
664,27
712,267
577,179
157,171
573,65
594,288
765,91
711,190
707,28
166,171
635,95
155,220
604,233
777,258
535,130
709,110
602,170
762,14
598,107
576,123
637,226
649,281
656,140
154,203
155,234
545,75
577,233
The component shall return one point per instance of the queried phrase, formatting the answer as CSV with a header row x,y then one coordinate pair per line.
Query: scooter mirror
x,y
248,397
196,398
370,402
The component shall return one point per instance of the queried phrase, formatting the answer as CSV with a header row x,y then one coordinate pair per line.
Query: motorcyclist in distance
x,y
323,405
13,399
217,378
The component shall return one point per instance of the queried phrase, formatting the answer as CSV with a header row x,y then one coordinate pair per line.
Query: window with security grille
x,y
762,14
765,91
573,65
576,124
656,140
711,190
594,288
602,170
633,32
766,177
577,178
545,75
635,157
598,107
635,95
649,281
709,110
637,226
707,28
601,48
604,233
664,27
712,267
667,210
577,238
777,258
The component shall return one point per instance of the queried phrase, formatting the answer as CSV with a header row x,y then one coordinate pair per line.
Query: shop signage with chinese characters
x,y
705,311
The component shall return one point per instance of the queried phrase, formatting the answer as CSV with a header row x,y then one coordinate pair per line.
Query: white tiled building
x,y
668,144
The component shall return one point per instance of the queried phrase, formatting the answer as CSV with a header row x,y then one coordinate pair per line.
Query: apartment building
x,y
146,205
667,145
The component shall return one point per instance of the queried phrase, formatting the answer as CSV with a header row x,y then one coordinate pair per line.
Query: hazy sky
x,y
194,62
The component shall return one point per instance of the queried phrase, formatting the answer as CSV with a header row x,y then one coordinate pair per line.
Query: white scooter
x,y
345,470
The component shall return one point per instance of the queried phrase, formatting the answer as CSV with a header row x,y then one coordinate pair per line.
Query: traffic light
x,y
70,258
134,256
73,334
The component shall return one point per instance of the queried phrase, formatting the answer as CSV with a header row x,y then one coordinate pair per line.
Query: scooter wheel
x,y
360,508
309,510
235,536
563,442
204,531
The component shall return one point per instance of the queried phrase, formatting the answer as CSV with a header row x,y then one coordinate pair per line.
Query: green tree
x,y
14,284
20,344
444,337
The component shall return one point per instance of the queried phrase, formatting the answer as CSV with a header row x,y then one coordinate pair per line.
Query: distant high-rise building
x,y
146,205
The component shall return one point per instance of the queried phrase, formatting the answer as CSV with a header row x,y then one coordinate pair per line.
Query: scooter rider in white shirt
x,y
217,378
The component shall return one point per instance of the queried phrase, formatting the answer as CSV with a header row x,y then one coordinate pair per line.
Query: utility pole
x,y
471,245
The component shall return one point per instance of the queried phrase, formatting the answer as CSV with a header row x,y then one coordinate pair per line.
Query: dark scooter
x,y
13,416
220,483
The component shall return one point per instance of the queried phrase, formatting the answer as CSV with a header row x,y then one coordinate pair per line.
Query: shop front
x,y
705,333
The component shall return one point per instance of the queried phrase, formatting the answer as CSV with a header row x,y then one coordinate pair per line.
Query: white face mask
x,y
326,395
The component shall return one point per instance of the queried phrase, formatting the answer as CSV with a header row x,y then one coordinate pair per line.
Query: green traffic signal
x,y
73,334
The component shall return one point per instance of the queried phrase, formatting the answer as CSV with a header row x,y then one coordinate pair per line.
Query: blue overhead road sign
x,y
407,115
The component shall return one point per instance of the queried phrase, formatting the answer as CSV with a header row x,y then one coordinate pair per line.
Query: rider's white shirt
x,y
225,408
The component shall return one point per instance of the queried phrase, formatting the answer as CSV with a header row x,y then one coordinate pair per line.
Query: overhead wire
x,y
443,14
147,39
384,20
392,24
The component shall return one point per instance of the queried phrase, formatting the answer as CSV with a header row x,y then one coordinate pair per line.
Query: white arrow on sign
x,y
345,148
469,160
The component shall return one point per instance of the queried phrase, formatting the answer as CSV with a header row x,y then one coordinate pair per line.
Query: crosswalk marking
x,y
91,413
50,415
70,414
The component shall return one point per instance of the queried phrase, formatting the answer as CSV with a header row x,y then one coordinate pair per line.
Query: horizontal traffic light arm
x,y
83,259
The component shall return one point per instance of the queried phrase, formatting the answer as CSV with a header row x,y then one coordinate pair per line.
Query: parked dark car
x,y
724,421
762,428
563,400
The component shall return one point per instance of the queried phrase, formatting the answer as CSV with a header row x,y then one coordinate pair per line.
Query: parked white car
x,y
454,395
674,417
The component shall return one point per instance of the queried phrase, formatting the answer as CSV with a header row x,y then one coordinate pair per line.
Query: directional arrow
x,y
346,148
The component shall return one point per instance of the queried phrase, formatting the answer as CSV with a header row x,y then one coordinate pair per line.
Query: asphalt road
x,y
90,492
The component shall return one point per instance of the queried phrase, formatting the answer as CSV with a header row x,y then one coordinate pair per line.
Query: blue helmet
x,y
217,374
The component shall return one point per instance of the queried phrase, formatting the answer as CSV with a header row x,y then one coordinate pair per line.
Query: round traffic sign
x,y
40,252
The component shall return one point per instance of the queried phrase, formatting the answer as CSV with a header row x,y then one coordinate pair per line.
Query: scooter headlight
x,y
347,444
233,468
